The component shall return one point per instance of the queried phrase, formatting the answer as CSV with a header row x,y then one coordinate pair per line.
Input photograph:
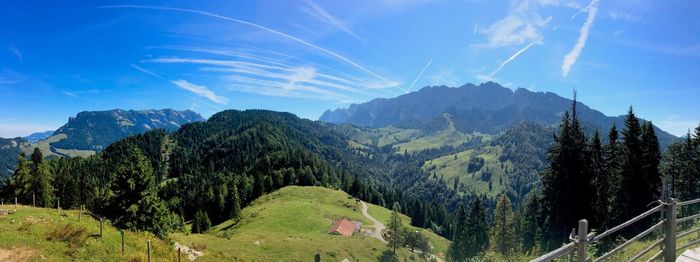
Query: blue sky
x,y
58,58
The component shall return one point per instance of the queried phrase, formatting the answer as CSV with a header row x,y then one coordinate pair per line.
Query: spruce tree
x,y
502,234
531,223
651,157
41,179
600,181
460,240
21,180
567,184
636,190
396,227
477,229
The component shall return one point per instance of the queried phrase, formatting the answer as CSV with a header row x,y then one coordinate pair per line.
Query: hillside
x,y
95,130
9,149
42,234
292,223
90,132
488,108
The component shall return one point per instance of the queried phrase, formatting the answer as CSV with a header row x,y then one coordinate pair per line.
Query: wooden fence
x,y
667,226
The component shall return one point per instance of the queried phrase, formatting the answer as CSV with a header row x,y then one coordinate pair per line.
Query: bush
x,y
73,235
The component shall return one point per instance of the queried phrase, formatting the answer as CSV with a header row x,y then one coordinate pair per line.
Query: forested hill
x,y
487,108
221,165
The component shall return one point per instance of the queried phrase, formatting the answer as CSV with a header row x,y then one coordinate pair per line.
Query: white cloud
x,y
522,24
572,56
322,15
264,28
200,91
146,71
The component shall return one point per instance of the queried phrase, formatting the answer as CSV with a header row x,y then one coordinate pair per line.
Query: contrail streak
x,y
419,75
331,53
511,58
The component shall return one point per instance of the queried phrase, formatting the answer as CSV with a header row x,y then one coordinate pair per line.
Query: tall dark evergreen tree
x,y
639,185
600,181
567,184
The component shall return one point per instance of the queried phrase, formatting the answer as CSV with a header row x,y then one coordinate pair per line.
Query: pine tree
x,y
600,181
502,234
477,229
531,223
235,203
396,227
460,240
568,181
636,190
651,158
21,180
42,180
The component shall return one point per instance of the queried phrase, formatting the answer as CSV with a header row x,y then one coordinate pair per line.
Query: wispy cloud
x,y
267,29
78,93
444,76
146,71
511,58
522,24
418,76
572,56
676,125
7,81
17,53
202,91
322,15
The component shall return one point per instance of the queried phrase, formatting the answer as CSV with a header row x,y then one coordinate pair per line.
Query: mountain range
x,y
486,108
91,131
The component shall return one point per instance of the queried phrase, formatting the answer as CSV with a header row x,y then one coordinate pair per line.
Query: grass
x,y
450,168
291,224
45,147
46,235
439,244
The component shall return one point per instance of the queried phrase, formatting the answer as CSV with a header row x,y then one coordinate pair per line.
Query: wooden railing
x,y
580,238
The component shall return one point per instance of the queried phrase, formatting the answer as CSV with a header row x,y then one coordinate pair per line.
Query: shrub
x,y
69,233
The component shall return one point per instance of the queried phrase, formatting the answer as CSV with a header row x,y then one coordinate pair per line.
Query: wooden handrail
x,y
689,202
627,223
630,241
562,251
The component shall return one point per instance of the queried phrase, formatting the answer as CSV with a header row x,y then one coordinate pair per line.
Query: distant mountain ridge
x,y
113,125
38,136
487,108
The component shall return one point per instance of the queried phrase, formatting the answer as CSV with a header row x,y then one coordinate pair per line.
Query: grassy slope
x,y
28,228
45,147
448,136
439,244
290,224
450,168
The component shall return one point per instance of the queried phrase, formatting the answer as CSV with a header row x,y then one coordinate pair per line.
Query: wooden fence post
x,y
100,227
669,252
179,252
58,205
582,240
81,213
33,200
15,202
149,250
121,231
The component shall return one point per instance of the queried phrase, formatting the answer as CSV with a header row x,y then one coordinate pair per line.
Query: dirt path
x,y
378,226
17,254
